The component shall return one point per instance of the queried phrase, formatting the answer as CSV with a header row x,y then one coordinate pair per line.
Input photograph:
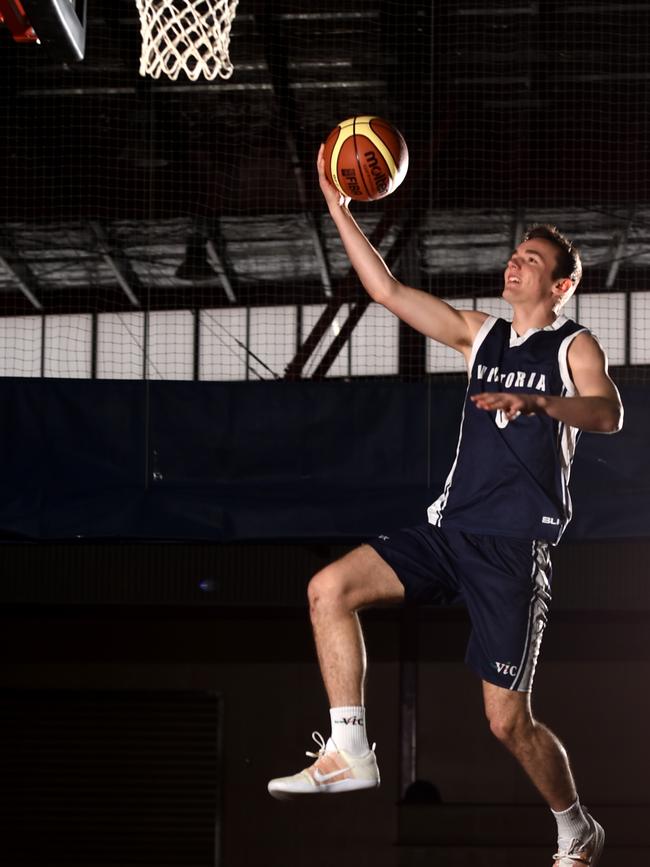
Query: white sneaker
x,y
333,771
586,851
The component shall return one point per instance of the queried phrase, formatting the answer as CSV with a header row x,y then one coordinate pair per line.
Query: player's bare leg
x,y
345,762
534,746
359,579
545,760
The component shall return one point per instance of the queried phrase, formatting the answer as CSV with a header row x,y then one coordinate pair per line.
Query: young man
x,y
533,385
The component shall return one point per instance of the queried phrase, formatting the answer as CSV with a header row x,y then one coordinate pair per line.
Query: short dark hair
x,y
568,258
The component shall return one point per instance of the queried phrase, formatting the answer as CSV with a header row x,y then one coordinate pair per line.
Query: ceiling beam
x,y
20,272
319,251
206,258
118,263
344,291
217,254
220,267
619,243
391,258
276,50
104,299
518,228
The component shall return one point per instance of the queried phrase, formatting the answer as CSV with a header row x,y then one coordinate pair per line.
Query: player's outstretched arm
x,y
426,313
596,408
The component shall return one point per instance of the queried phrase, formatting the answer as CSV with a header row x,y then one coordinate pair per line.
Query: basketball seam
x,y
377,141
356,154
393,155
334,158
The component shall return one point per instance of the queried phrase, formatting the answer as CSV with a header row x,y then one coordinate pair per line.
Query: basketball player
x,y
534,384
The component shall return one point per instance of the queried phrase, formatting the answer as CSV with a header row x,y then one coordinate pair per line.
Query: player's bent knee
x,y
359,579
510,727
502,729
327,587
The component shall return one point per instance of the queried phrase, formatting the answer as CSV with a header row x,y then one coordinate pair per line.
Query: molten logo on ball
x,y
380,177
366,158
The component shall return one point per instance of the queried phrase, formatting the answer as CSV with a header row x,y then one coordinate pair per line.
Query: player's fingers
x,y
487,399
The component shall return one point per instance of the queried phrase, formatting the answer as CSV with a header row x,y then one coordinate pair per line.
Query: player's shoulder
x,y
474,319
586,348
583,337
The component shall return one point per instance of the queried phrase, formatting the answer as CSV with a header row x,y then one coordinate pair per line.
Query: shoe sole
x,y
335,788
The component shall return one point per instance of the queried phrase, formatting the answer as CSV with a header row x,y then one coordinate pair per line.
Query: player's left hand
x,y
511,405
332,195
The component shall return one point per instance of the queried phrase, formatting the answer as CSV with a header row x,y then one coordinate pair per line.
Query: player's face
x,y
528,274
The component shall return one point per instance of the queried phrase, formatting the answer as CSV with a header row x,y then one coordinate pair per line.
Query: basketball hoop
x,y
190,36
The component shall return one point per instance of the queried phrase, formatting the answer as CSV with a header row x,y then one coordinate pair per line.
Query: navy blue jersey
x,y
510,478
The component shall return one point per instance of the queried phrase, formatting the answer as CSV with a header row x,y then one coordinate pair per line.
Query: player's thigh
x,y
360,578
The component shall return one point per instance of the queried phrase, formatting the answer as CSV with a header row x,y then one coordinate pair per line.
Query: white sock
x,y
572,824
349,729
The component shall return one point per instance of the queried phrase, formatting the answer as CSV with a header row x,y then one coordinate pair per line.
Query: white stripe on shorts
x,y
537,616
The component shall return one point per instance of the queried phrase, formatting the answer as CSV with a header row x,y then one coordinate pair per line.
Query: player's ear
x,y
561,287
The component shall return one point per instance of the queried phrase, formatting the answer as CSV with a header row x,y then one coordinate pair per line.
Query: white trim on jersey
x,y
481,334
567,436
516,340
435,510
562,360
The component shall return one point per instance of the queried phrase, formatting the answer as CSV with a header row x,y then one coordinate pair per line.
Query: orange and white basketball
x,y
366,158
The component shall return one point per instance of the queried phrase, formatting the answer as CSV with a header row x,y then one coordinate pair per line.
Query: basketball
x,y
366,158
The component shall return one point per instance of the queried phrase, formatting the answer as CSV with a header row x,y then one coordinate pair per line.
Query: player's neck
x,y
523,320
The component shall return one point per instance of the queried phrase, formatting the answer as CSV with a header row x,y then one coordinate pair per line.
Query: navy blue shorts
x,y
505,584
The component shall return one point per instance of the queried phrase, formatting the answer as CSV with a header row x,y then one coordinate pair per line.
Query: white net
x,y
191,36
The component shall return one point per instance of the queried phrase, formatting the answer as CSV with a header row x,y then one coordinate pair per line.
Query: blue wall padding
x,y
267,460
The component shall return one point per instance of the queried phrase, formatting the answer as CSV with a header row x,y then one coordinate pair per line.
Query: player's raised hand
x,y
511,405
332,196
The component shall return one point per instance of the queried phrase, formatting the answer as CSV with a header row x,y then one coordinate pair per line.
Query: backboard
x,y
58,25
